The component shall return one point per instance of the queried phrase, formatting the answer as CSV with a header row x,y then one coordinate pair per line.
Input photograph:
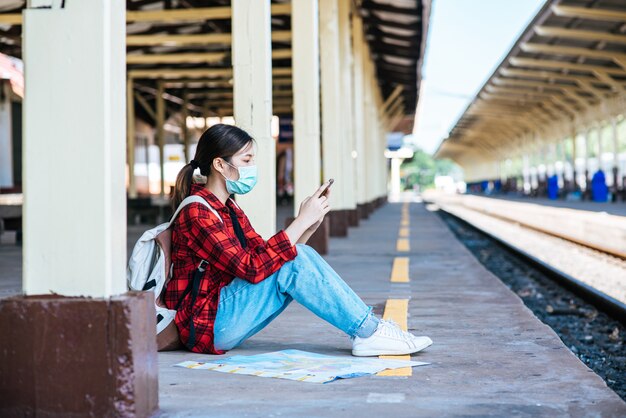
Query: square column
x,y
6,135
306,99
74,149
347,138
130,137
332,123
358,112
252,75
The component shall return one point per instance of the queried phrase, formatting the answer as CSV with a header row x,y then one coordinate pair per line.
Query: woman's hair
x,y
218,141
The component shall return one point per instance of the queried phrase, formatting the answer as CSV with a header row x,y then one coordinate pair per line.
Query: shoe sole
x,y
358,353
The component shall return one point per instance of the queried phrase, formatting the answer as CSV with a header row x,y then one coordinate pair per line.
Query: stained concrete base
x,y
490,357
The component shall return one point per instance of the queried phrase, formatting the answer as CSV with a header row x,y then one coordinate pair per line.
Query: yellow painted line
x,y
397,309
404,232
403,245
405,222
400,270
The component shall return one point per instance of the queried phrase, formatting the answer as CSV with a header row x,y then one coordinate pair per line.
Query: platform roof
x,y
188,43
566,71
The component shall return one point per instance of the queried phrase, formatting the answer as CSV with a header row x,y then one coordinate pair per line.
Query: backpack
x,y
150,269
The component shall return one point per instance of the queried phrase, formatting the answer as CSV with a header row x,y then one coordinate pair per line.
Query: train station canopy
x,y
188,43
565,72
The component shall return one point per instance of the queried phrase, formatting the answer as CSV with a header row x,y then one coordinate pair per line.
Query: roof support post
x,y
615,168
370,133
306,98
526,173
586,143
160,127
88,122
600,145
358,102
184,113
573,162
252,70
130,137
6,141
348,181
332,123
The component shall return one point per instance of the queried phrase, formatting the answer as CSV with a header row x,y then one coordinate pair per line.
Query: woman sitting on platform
x,y
248,281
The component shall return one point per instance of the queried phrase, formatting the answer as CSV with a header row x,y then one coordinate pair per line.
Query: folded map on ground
x,y
300,365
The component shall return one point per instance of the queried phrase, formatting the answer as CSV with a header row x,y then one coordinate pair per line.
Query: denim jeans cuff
x,y
368,325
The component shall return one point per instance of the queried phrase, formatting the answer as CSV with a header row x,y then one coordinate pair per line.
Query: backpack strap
x,y
192,199
193,285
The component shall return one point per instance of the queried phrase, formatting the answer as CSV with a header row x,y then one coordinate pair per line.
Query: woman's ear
x,y
218,165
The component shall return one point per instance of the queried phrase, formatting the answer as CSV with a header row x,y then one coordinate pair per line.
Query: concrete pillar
x,y
160,134
385,169
576,186
395,176
587,152
600,146
615,138
75,113
347,138
373,144
550,160
332,125
306,99
6,135
82,352
358,115
368,134
615,168
130,138
306,110
184,113
252,74
526,173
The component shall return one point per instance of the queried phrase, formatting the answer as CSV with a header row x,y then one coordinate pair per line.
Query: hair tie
x,y
194,164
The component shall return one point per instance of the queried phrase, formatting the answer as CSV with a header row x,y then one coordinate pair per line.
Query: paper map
x,y
300,365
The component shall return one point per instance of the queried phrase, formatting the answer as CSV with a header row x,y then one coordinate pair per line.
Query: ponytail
x,y
182,188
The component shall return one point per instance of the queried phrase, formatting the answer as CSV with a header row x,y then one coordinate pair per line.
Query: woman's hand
x,y
314,208
310,217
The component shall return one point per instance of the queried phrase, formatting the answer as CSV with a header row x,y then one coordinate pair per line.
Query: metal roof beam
x,y
617,57
590,14
585,35
194,39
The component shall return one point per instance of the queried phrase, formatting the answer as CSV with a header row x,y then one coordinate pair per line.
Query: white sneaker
x,y
389,339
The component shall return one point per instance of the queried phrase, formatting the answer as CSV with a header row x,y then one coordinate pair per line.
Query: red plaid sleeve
x,y
255,240
209,239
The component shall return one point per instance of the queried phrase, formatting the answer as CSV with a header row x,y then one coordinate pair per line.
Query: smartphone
x,y
330,183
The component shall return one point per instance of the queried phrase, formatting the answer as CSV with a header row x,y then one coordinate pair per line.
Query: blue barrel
x,y
553,187
599,190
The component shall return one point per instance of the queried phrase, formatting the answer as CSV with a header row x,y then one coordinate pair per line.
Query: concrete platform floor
x,y
490,357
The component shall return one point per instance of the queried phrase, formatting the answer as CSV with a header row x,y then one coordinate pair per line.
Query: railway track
x,y
578,313
613,307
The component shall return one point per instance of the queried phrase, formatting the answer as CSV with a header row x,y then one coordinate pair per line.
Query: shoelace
x,y
392,329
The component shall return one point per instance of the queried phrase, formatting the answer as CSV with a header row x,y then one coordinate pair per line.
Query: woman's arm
x,y
312,212
309,232
208,239
297,229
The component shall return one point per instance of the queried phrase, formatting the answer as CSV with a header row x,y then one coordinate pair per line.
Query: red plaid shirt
x,y
199,235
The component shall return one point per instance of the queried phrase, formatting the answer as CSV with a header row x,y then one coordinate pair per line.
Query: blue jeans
x,y
245,308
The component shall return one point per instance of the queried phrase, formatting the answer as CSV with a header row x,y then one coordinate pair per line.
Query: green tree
x,y
423,168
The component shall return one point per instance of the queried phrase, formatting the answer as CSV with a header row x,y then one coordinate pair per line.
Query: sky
x,y
467,40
